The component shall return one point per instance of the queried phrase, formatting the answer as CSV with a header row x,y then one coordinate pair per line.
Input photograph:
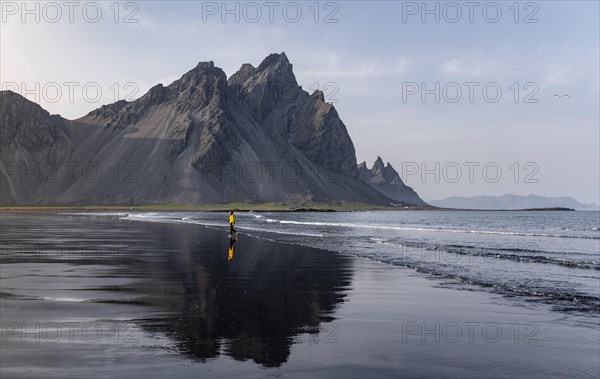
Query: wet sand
x,y
98,297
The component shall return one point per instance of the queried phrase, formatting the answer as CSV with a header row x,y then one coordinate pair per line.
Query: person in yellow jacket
x,y
231,224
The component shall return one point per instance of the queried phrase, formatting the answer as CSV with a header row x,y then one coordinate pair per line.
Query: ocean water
x,y
546,257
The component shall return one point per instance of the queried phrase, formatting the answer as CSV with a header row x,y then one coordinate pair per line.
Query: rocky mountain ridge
x,y
256,136
386,180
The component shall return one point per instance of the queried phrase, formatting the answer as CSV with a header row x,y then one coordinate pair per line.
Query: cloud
x,y
461,66
353,69
560,75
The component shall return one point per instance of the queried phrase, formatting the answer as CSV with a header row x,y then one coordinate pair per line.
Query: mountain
x,y
386,180
256,136
512,202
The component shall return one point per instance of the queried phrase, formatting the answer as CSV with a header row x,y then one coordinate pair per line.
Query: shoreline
x,y
272,309
238,207
266,207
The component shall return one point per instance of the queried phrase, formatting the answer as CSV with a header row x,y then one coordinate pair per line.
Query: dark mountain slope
x,y
203,139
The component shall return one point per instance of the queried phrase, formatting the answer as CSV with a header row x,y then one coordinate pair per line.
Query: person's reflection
x,y
232,241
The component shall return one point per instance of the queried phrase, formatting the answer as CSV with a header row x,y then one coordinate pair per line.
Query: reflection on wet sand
x,y
232,242
249,306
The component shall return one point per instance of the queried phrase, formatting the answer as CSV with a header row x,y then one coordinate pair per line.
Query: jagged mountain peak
x,y
379,172
384,172
275,61
391,171
244,73
319,95
385,179
378,165
202,69
276,69
194,90
270,86
205,65
203,72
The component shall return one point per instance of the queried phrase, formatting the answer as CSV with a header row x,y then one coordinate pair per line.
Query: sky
x,y
460,97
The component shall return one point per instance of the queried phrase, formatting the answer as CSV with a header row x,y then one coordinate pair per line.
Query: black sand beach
x,y
99,297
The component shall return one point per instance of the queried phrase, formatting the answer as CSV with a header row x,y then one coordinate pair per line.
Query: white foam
x,y
294,233
176,218
474,231
65,299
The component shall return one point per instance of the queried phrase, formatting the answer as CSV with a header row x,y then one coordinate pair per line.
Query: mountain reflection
x,y
250,303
